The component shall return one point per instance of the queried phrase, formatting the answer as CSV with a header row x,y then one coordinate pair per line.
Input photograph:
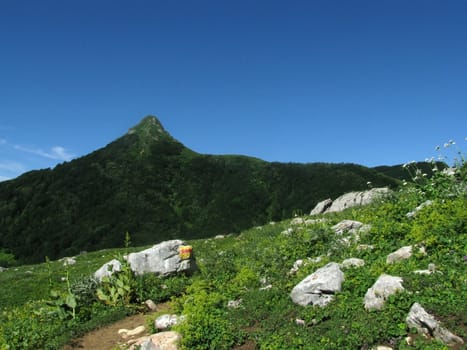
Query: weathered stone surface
x,y
400,254
346,226
107,269
352,262
160,341
384,286
426,324
162,259
353,199
319,287
321,207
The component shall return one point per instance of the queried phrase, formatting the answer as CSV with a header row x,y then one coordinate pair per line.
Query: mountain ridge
x,y
148,183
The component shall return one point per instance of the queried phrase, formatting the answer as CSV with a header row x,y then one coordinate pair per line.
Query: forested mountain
x,y
149,184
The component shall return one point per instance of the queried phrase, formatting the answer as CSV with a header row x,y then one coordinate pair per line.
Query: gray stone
x,y
107,269
353,199
321,207
319,287
352,262
426,324
384,287
162,259
166,321
400,254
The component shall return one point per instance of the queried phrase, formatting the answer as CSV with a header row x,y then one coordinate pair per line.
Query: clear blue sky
x,y
370,82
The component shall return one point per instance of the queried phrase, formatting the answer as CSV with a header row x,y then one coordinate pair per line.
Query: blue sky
x,y
370,82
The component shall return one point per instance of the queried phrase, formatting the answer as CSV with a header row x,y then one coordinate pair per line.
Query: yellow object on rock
x,y
185,251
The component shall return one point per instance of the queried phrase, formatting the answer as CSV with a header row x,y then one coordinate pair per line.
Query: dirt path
x,y
107,337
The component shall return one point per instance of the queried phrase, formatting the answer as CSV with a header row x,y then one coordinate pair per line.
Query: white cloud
x,y
4,178
56,153
3,142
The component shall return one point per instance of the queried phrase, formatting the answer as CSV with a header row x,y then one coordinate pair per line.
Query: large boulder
x,y
166,258
384,287
426,324
319,287
349,200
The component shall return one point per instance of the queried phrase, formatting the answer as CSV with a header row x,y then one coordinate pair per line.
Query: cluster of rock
x,y
320,287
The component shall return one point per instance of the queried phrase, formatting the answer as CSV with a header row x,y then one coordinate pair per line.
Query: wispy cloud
x,y
56,153
13,167
4,178
3,142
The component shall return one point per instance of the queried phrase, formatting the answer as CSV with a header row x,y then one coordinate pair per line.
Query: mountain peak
x,y
149,128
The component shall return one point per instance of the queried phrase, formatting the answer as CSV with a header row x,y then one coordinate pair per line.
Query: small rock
x,y
234,304
150,305
400,254
107,269
352,262
68,261
126,333
166,321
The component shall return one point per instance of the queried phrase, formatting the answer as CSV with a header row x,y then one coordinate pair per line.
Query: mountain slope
x,y
149,184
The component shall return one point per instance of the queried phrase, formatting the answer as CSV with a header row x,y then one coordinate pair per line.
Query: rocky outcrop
x,y
319,288
349,200
427,325
384,286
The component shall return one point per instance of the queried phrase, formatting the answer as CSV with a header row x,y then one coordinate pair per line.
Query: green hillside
x,y
44,306
149,184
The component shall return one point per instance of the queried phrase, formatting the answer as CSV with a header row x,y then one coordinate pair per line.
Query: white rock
x,y
107,269
166,321
400,254
384,286
352,262
319,287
